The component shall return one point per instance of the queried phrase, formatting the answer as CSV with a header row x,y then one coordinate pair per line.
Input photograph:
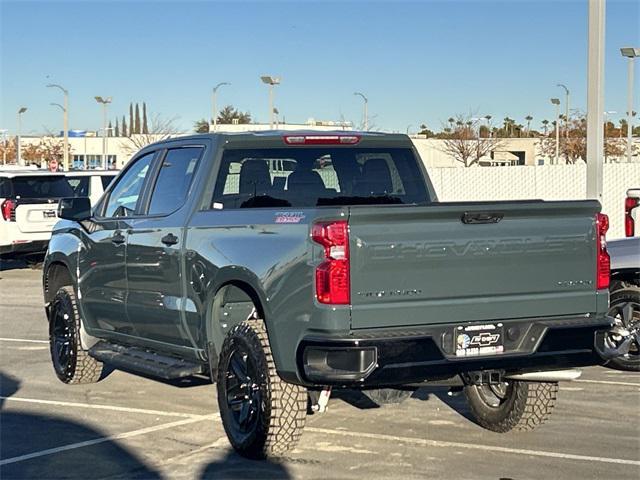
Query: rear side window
x,y
310,177
80,185
41,186
174,180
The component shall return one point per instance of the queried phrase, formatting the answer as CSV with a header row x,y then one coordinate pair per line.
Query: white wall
x,y
547,182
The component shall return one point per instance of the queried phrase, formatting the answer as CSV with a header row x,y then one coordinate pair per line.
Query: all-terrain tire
x,y
524,405
71,362
387,396
628,296
276,425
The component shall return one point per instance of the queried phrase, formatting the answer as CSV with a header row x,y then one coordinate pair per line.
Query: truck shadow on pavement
x,y
233,466
29,433
23,433
455,402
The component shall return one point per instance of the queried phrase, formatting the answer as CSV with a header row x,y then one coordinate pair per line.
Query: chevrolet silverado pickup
x,y
285,264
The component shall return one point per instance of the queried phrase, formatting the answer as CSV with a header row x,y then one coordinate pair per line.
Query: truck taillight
x,y
629,224
333,282
8,209
603,268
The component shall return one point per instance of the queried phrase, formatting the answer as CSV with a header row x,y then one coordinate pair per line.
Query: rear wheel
x,y
511,405
625,309
262,415
71,363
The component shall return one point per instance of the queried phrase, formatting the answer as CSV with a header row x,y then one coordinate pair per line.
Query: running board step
x,y
144,361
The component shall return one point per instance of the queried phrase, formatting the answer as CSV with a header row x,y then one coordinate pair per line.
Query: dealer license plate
x,y
474,340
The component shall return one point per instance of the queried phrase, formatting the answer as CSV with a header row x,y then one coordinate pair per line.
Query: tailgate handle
x,y
471,218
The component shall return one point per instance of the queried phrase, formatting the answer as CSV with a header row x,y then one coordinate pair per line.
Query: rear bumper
x,y
375,359
29,246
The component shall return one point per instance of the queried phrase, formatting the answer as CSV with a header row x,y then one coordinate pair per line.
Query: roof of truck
x,y
274,135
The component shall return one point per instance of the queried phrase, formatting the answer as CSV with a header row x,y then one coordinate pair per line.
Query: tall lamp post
x,y
21,110
566,109
630,53
556,102
105,103
366,107
214,104
65,123
271,81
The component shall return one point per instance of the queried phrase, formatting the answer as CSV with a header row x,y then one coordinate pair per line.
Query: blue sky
x,y
418,62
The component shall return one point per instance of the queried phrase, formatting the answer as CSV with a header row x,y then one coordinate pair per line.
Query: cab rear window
x,y
313,177
41,186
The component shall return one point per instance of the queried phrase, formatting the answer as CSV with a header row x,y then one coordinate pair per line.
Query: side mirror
x,y
74,208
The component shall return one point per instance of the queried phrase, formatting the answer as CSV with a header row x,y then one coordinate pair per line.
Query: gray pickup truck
x,y
284,264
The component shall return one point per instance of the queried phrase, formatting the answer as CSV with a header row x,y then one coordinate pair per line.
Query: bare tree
x,y
464,146
573,147
159,129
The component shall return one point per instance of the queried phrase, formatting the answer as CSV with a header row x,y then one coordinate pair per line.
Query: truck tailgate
x,y
36,217
423,265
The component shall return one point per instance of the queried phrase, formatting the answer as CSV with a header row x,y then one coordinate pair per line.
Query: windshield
x,y
41,186
309,177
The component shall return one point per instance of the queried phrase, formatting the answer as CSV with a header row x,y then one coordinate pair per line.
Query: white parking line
x,y
472,446
609,382
102,407
109,438
23,340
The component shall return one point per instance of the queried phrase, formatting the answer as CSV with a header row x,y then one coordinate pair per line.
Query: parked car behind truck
x,y
28,205
285,262
90,183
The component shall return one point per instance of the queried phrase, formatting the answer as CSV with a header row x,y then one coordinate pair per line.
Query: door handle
x,y
169,239
118,238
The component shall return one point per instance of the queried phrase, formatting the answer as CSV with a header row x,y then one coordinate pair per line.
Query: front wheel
x,y
71,361
262,415
512,405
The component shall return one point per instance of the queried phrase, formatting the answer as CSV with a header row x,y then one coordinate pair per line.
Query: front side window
x,y
126,193
310,177
174,180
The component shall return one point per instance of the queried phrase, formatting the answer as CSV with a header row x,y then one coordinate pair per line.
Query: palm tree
x,y
545,125
451,120
528,118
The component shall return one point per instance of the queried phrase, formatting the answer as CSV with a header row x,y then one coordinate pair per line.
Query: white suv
x,y
28,209
90,183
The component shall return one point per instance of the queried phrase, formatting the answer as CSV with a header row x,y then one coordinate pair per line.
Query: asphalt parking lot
x,y
127,426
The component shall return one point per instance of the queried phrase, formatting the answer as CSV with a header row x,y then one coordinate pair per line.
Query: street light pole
x,y
566,109
595,98
556,102
65,124
105,102
21,110
214,104
630,53
271,81
366,108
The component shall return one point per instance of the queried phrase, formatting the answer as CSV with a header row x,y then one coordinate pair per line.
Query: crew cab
x,y
28,205
285,264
